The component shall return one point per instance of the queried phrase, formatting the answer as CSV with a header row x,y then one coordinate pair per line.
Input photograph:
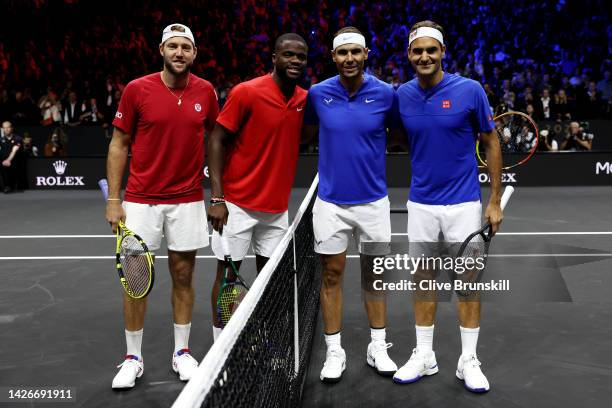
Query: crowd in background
x,y
63,63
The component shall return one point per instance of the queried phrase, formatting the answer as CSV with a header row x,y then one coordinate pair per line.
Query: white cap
x,y
169,33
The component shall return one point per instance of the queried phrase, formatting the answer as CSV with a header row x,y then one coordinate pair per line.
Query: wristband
x,y
113,199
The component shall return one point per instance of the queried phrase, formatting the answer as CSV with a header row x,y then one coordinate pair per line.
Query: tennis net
x,y
261,357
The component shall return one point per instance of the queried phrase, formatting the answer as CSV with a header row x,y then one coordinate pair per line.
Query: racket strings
x,y
476,248
475,252
229,300
135,265
516,134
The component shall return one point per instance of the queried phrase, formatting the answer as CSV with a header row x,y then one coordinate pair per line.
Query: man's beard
x,y
282,73
168,65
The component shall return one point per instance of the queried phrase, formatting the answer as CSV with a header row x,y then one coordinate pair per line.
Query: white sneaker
x,y
184,364
378,358
468,370
420,363
131,368
334,366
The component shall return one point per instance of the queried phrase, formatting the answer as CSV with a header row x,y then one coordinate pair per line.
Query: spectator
x,y
546,142
72,110
111,108
92,114
50,109
81,54
530,111
563,106
544,106
24,110
526,98
491,97
605,86
55,144
592,106
577,139
29,149
10,144
510,100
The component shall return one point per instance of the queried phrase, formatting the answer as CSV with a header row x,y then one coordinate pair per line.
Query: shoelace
x,y
414,354
473,360
129,361
380,346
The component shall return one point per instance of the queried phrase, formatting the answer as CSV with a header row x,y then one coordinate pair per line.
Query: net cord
x,y
201,382
296,323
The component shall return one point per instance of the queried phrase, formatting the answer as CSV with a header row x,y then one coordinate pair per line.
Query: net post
x,y
296,323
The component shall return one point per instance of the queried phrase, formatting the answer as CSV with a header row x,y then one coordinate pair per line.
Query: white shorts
x,y
263,231
455,222
184,225
334,224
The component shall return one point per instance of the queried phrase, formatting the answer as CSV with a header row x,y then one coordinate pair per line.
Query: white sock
x,y
181,336
378,334
216,332
333,340
133,340
469,340
424,337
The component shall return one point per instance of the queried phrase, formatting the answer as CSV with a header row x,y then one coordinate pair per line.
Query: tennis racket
x,y
518,137
134,261
476,247
233,288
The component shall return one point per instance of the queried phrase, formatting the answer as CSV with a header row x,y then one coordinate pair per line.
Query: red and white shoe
x,y
184,364
131,369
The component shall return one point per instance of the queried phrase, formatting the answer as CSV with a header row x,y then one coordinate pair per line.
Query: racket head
x,y
230,296
518,137
233,288
476,249
134,261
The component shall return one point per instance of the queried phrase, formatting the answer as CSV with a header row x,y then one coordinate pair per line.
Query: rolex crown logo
x,y
60,167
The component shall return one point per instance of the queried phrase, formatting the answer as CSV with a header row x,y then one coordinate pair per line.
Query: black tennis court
x,y
544,343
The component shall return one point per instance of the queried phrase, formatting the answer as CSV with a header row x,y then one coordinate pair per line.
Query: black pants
x,y
9,176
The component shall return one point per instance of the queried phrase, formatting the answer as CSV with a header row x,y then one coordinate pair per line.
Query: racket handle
x,y
506,196
103,183
224,246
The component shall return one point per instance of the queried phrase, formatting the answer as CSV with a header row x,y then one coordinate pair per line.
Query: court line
x,y
394,234
54,236
542,233
61,258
